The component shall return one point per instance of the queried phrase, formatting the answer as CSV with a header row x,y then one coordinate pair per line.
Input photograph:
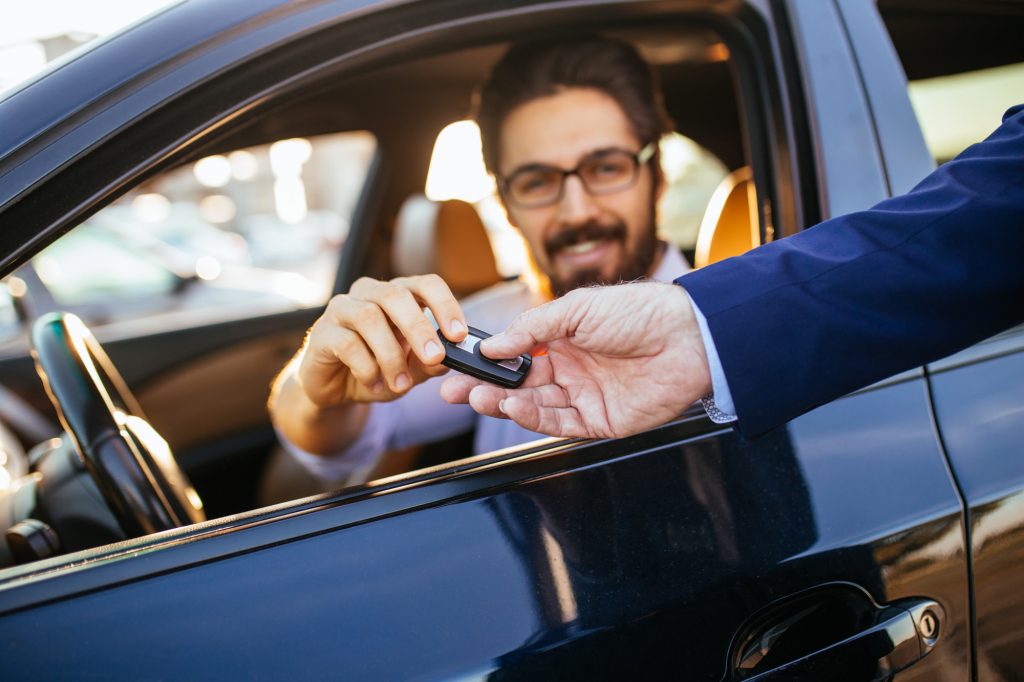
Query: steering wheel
x,y
131,464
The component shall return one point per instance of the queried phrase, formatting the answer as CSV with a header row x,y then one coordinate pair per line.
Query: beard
x,y
637,257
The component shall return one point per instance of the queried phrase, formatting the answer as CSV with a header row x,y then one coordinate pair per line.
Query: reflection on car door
x,y
978,404
650,553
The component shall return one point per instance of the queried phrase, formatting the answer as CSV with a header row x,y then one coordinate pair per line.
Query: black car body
x,y
877,535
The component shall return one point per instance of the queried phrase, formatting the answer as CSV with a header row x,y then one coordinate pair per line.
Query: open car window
x,y
707,211
263,219
247,232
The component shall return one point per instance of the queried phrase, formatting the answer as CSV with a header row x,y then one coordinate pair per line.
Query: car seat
x,y
730,224
447,238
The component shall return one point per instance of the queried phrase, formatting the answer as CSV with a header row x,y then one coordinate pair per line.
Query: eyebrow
x,y
547,166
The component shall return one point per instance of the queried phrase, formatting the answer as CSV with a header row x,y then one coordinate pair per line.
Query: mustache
x,y
584,233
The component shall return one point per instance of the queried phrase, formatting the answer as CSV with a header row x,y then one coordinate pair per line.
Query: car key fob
x,y
465,357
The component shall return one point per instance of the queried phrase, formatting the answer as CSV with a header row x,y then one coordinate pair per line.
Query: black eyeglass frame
x,y
640,158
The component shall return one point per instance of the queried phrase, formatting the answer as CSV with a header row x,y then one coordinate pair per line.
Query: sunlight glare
x,y
457,165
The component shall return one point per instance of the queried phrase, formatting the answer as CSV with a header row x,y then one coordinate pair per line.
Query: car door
x,y
975,54
831,547
977,402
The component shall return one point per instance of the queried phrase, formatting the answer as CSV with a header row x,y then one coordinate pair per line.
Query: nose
x,y
577,206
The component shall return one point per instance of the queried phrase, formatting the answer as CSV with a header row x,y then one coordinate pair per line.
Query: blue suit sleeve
x,y
807,319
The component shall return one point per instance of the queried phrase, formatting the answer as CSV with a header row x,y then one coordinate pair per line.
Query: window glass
x,y
965,67
956,111
90,265
252,231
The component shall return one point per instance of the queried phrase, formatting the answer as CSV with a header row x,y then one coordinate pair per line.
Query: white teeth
x,y
582,247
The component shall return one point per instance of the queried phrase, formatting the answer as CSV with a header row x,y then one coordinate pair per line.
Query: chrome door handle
x,y
896,636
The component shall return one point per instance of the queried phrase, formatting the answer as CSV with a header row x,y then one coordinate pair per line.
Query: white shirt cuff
x,y
718,405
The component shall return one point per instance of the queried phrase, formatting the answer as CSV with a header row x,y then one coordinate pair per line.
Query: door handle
x,y
883,641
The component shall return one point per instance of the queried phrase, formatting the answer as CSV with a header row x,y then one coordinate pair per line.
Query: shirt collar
x,y
672,264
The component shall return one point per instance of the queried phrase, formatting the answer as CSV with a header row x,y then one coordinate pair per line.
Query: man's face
x,y
582,238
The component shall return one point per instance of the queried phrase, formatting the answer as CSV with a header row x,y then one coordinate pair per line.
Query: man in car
x,y
852,300
570,130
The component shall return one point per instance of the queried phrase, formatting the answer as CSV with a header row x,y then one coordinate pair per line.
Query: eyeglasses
x,y
605,171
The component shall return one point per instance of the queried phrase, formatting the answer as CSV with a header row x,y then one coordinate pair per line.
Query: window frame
x,y
197,119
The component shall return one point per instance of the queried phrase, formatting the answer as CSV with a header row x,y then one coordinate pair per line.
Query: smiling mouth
x,y
584,239
590,255
583,247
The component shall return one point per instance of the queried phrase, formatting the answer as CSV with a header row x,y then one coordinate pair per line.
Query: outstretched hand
x,y
619,360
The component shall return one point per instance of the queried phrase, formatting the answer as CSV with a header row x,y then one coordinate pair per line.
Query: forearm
x,y
311,427
807,319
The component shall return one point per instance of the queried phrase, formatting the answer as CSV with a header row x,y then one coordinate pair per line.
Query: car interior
x,y
415,234
201,372
208,400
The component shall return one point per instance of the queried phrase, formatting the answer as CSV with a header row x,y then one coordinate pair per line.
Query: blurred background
x,y
254,231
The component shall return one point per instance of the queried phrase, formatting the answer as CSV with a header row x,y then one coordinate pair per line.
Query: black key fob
x,y
465,357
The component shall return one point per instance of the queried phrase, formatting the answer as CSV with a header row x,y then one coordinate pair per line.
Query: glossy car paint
x,y
979,403
635,557
642,557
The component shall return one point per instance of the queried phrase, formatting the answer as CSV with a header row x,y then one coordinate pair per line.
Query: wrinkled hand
x,y
375,342
620,359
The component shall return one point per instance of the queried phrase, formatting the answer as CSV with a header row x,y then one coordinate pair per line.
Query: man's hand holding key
x,y
375,343
620,359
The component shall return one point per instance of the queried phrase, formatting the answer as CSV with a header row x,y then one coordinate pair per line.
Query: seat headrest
x,y
447,238
730,224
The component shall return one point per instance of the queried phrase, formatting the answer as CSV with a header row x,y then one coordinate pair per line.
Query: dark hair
x,y
538,68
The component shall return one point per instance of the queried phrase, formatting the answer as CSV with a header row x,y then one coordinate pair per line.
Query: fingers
x,y
539,405
544,409
529,410
368,321
488,400
551,321
421,372
380,332
431,291
456,388
400,300
331,349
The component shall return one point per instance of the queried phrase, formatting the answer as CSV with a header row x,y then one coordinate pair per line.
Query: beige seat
x,y
447,238
730,224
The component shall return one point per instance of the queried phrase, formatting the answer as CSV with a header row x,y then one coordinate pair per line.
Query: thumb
x,y
548,322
